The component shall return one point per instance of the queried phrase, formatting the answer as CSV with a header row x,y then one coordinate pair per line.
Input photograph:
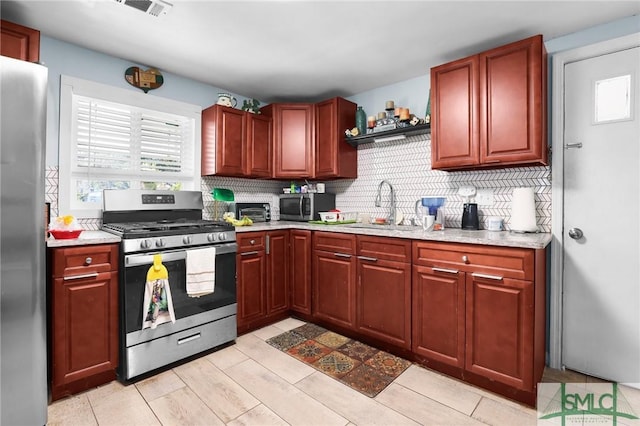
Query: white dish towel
x,y
201,271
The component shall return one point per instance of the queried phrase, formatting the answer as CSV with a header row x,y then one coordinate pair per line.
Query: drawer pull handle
x,y
487,276
446,271
88,261
465,259
189,338
342,255
252,242
248,253
370,259
79,277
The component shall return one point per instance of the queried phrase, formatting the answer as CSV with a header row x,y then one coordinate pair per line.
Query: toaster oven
x,y
257,212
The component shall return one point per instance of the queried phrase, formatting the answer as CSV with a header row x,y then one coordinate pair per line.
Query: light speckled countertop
x,y
86,238
492,238
503,238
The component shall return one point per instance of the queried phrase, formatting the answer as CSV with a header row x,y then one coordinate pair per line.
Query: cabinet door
x,y
293,140
383,300
513,104
335,157
439,315
499,330
259,145
454,112
251,271
19,42
300,266
277,272
84,327
223,136
334,276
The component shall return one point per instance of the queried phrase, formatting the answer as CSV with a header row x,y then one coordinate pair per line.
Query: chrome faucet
x,y
392,201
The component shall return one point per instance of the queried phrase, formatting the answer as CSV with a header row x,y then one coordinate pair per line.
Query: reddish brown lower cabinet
x,y
383,292
84,317
19,42
438,315
262,272
300,266
482,309
334,278
500,324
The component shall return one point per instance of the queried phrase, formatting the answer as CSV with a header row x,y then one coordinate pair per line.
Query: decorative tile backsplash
x,y
405,164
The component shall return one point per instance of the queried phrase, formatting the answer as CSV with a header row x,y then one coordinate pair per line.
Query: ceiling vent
x,y
155,8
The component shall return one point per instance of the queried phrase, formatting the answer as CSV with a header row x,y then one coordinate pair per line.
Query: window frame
x,y
72,86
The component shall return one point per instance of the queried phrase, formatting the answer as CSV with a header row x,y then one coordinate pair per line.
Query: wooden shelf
x,y
389,135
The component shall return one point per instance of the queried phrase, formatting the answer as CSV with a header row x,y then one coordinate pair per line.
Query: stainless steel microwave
x,y
305,207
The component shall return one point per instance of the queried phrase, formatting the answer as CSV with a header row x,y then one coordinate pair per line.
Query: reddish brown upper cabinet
x,y
19,42
489,110
235,143
84,317
334,157
259,146
293,139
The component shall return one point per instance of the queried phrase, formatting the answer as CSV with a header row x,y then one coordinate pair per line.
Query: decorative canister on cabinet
x,y
361,121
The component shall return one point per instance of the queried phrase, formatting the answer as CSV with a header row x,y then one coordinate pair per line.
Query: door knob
x,y
575,233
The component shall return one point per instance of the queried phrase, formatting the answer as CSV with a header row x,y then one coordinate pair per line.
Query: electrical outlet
x,y
484,197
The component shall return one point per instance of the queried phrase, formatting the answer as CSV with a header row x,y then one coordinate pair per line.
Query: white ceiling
x,y
306,50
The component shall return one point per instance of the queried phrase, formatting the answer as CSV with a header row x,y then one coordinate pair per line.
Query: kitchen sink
x,y
384,227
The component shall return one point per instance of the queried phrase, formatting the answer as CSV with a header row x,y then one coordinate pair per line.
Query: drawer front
x,y
505,262
74,261
334,242
250,241
386,248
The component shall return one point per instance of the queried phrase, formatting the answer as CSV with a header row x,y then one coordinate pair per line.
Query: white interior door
x,y
601,232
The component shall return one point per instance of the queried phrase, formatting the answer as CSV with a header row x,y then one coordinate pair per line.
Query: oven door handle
x,y
168,256
147,259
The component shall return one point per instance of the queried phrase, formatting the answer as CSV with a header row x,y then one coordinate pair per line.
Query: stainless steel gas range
x,y
170,224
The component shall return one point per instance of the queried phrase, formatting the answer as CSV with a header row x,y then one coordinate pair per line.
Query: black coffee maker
x,y
470,218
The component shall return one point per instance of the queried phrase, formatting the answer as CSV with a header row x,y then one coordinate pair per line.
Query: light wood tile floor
x,y
252,383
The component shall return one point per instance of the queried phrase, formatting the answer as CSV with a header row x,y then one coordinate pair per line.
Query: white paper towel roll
x,y
523,210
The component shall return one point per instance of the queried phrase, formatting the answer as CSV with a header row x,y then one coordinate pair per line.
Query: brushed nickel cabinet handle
x,y
370,259
81,276
487,276
88,261
342,255
446,271
249,253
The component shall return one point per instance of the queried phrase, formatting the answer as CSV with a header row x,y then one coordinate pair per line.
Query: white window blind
x,y
116,139
113,138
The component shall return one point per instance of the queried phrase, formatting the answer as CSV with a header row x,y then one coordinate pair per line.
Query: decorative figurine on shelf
x,y
251,106
427,117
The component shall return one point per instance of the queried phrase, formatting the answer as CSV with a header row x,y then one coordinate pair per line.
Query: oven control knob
x,y
211,238
145,244
160,243
222,236
187,239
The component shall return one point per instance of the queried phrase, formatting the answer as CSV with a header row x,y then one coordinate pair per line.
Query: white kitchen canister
x,y
523,210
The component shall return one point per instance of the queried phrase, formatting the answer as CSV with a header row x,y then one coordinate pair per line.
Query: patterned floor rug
x,y
364,368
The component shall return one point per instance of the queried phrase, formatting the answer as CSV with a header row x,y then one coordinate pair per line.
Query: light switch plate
x,y
484,197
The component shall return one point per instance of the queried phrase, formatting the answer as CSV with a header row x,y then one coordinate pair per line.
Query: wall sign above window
x,y
144,80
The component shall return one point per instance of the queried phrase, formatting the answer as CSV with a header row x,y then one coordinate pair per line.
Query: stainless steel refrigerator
x,y
23,338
